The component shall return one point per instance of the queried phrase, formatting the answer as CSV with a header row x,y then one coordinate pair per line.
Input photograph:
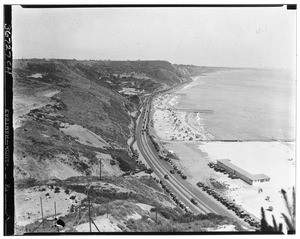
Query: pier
x,y
201,111
196,111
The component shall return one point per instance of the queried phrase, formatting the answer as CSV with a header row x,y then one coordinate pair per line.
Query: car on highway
x,y
194,201
166,176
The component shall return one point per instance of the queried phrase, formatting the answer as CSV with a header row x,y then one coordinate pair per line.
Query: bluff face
x,y
68,114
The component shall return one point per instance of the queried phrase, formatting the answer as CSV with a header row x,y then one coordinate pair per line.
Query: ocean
x,y
247,104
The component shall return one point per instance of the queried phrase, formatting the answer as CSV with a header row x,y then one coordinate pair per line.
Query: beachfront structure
x,y
242,174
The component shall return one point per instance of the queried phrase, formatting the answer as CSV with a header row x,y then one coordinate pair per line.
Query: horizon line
x,y
236,67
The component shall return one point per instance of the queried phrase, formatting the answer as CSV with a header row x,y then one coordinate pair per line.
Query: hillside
x,y
97,100
70,116
118,204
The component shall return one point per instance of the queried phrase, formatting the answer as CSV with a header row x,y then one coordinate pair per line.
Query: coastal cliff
x,y
74,118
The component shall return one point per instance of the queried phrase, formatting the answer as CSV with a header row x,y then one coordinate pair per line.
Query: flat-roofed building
x,y
242,174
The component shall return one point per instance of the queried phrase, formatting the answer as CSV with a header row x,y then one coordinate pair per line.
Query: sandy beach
x,y
179,132
173,124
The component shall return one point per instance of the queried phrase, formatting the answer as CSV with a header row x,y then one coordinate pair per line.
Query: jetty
x,y
247,140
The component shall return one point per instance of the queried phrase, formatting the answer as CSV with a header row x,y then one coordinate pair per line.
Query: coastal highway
x,y
178,186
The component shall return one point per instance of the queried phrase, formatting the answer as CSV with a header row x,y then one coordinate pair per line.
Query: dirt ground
x,y
28,203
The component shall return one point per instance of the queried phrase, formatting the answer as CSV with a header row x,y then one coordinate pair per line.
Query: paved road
x,y
180,187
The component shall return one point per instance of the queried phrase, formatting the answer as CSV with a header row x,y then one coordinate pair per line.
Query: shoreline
x,y
195,154
167,118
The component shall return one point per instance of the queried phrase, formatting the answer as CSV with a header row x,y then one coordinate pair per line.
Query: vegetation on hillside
x,y
121,197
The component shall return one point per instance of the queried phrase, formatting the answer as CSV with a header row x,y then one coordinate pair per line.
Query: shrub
x,y
167,213
288,219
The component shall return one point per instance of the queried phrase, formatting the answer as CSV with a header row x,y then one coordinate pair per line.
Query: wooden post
x,y
55,215
95,225
42,210
90,213
100,168
79,216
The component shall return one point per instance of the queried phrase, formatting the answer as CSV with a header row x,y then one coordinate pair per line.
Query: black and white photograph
x,y
157,119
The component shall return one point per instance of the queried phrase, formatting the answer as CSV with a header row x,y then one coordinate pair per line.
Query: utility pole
x,y
42,210
156,217
55,215
149,179
79,213
100,164
90,213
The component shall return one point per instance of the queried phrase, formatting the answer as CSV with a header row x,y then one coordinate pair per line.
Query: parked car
x,y
172,171
126,174
183,176
166,176
200,184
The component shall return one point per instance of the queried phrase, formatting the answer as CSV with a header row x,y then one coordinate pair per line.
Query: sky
x,y
235,37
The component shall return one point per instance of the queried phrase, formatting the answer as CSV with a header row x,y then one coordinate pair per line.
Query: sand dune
x,y
83,135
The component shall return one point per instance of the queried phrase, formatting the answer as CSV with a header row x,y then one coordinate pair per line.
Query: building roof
x,y
243,172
